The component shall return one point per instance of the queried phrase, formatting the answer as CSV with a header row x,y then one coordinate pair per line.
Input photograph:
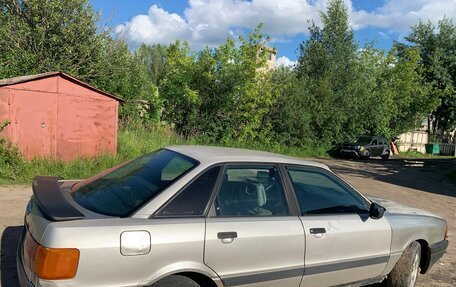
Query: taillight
x,y
50,263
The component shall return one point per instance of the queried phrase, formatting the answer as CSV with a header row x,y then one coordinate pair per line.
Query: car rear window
x,y
124,189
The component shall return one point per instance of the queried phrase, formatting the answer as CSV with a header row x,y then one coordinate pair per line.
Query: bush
x,y
11,162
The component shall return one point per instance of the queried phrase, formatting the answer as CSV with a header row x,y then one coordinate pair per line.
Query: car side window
x,y
193,199
251,191
374,142
319,193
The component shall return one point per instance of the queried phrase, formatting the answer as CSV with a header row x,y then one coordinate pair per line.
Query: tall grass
x,y
133,141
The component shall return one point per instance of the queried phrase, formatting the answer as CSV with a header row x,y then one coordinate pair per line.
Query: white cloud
x,y
284,61
210,22
158,26
400,15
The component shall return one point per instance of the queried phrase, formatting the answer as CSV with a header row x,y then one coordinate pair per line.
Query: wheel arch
x,y
200,274
425,255
201,279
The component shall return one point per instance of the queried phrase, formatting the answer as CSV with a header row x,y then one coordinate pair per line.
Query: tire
x,y
386,155
367,155
406,271
176,281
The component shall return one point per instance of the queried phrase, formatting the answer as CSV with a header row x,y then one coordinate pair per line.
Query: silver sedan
x,y
209,216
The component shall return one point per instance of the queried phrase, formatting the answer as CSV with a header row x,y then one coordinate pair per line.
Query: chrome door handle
x,y
227,237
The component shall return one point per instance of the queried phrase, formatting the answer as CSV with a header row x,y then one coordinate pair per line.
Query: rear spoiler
x,y
54,202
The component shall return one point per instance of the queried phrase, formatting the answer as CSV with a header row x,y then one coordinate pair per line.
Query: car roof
x,y
212,154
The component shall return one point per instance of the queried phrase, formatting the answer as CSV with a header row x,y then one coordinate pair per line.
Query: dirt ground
x,y
419,183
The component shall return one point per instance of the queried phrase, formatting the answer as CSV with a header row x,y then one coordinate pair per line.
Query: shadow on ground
x,y
10,240
427,175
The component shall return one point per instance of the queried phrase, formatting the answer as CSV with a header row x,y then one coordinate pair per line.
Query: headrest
x,y
258,192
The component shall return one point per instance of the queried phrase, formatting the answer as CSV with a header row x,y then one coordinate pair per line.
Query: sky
x,y
209,22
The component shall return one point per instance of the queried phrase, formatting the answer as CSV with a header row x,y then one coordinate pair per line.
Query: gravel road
x,y
420,183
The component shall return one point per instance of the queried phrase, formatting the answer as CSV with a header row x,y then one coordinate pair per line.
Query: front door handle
x,y
227,237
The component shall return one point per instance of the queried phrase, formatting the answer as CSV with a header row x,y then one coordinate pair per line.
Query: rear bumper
x,y
436,252
23,279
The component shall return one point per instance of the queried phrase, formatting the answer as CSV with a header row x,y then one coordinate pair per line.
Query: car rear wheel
x,y
406,271
176,281
386,155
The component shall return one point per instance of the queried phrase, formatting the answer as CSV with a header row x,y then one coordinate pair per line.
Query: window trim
x,y
156,214
331,175
289,199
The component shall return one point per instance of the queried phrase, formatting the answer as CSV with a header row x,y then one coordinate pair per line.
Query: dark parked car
x,y
366,146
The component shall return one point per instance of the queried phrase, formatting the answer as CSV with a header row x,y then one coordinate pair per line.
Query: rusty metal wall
x,y
57,118
33,122
4,109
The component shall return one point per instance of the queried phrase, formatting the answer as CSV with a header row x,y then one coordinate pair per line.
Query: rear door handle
x,y
317,230
227,237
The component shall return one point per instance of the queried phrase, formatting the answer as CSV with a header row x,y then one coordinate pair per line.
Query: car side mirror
x,y
376,211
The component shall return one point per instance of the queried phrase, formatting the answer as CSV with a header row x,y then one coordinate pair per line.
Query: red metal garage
x,y
57,116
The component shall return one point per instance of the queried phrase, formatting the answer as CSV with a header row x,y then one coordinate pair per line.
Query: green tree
x,y
153,58
62,35
396,100
437,46
180,99
290,114
41,36
328,67
220,93
124,73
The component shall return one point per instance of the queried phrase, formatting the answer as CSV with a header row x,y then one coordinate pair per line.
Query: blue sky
x,y
209,22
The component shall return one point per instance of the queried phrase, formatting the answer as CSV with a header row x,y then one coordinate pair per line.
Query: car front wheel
x,y
366,155
406,271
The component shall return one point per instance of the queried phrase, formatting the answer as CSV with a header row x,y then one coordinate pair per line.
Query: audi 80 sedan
x,y
209,216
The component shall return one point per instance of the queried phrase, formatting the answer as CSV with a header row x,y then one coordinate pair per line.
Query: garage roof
x,y
23,79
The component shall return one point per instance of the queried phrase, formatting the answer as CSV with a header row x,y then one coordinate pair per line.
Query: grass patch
x,y
417,154
132,142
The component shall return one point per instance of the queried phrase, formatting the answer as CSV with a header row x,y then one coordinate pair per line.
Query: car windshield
x,y
363,140
125,188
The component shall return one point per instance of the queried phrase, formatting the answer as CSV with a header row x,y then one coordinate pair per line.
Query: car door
x,y
251,237
343,244
374,147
